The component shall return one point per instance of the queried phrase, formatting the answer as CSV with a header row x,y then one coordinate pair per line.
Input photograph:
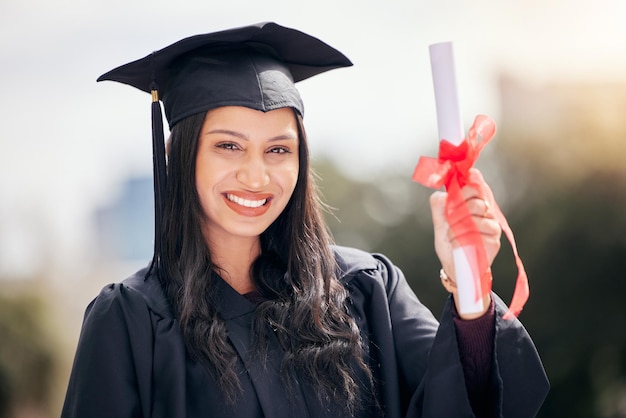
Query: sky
x,y
67,141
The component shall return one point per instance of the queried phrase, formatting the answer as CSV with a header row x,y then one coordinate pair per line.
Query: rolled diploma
x,y
450,128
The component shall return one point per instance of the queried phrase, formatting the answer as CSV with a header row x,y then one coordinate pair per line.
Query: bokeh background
x,y
75,163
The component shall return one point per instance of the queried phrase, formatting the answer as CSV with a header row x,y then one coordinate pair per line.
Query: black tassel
x,y
159,177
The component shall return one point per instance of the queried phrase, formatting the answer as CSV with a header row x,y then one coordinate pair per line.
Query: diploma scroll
x,y
450,128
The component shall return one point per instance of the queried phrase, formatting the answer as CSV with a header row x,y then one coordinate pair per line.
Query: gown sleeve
x,y
519,380
416,359
476,346
109,363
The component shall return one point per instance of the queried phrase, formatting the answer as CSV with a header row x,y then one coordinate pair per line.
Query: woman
x,y
248,310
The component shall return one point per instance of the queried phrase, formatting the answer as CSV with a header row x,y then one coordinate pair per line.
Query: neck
x,y
234,257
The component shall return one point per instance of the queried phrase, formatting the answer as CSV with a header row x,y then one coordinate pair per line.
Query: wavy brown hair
x,y
305,304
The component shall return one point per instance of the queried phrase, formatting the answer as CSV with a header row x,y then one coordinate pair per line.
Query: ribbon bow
x,y
453,170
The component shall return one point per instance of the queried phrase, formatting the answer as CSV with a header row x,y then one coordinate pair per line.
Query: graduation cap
x,y
253,66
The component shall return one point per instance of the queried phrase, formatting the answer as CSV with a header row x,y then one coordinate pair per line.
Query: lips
x,y
248,205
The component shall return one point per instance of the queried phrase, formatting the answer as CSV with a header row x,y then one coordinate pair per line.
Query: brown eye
x,y
279,150
229,146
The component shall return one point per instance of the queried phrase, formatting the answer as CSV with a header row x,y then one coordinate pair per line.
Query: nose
x,y
253,173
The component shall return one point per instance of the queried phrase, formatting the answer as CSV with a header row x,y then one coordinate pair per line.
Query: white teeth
x,y
245,202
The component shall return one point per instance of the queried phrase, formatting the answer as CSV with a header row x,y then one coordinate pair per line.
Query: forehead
x,y
251,125
281,121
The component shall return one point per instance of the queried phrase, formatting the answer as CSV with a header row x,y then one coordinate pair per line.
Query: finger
x,y
476,204
486,227
490,242
469,193
479,207
473,211
480,215
489,232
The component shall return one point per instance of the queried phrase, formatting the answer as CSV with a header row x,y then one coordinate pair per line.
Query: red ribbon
x,y
452,170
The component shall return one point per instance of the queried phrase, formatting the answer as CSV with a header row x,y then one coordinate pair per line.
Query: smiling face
x,y
246,170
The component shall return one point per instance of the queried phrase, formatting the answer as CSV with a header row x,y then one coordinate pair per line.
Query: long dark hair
x,y
305,304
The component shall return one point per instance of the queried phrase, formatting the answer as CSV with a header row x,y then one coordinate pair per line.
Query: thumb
x,y
438,208
443,246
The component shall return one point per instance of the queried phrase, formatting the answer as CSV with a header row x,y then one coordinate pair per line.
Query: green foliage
x,y
574,247
26,356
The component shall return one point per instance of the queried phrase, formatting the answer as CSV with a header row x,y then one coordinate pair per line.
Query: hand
x,y
445,240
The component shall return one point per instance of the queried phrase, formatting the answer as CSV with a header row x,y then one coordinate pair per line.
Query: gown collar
x,y
230,303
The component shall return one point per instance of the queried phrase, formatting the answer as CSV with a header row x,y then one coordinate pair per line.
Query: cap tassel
x,y
159,175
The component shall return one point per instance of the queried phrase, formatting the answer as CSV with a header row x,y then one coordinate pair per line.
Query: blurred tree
x,y
563,145
574,249
26,355
5,395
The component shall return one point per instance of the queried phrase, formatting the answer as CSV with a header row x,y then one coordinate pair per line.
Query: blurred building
x,y
125,227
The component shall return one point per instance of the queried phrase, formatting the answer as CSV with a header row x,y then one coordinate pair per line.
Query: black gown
x,y
131,359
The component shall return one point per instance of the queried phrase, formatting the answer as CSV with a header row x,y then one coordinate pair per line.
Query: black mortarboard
x,y
253,66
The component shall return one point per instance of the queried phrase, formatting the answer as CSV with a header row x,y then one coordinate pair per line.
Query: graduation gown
x,y
131,359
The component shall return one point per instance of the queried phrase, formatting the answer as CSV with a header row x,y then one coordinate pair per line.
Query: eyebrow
x,y
245,137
